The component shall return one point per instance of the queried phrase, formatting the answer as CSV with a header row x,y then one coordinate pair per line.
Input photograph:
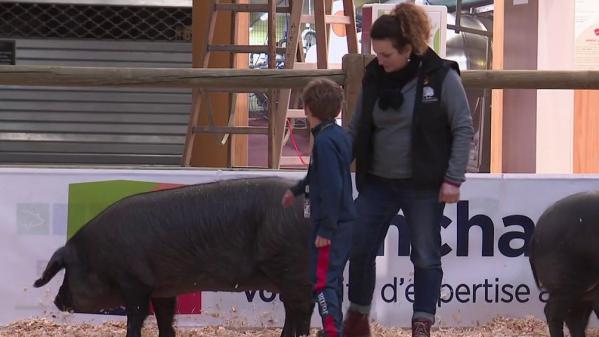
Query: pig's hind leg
x,y
164,309
297,317
296,294
578,319
558,310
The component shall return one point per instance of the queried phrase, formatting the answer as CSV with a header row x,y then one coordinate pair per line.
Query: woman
x,y
412,132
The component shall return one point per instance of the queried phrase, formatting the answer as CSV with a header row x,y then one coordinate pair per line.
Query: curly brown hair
x,y
408,24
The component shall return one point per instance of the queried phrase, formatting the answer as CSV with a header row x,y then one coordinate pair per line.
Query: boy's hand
x,y
321,242
288,199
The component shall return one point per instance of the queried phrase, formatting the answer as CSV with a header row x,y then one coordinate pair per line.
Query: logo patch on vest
x,y
428,95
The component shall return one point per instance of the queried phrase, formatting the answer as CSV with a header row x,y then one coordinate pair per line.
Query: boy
x,y
329,201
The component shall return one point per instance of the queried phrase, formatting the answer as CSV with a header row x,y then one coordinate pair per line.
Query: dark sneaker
x,y
421,328
356,324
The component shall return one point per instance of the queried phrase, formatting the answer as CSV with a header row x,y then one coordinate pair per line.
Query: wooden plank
x,y
273,144
204,41
328,19
586,131
296,113
496,165
249,8
242,49
531,79
322,46
202,26
351,34
202,149
353,66
311,66
239,143
294,161
305,66
272,35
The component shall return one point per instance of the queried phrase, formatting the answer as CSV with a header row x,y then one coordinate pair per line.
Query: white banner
x,y
486,271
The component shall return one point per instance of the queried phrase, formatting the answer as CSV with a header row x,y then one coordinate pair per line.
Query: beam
x,y
162,77
269,78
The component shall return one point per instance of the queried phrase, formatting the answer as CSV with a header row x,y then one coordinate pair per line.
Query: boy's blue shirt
x,y
329,178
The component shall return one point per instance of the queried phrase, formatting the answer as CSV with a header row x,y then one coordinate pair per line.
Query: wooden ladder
x,y
201,102
278,107
322,19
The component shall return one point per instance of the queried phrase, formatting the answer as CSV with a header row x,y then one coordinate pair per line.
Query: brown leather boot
x,y
356,324
421,328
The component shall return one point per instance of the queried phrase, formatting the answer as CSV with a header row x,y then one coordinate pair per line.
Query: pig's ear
x,y
55,264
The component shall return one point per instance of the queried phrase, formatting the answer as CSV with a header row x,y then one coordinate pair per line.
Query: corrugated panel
x,y
95,125
144,3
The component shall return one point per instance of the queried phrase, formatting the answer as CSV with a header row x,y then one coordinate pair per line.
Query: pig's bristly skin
x,y
564,256
231,235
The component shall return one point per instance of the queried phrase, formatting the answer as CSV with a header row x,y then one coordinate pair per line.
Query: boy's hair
x,y
324,98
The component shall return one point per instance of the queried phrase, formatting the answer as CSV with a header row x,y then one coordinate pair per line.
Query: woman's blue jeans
x,y
378,202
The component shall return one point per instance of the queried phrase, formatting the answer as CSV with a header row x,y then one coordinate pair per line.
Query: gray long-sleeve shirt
x,y
392,136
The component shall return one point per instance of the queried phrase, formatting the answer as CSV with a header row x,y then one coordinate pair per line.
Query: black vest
x,y
431,135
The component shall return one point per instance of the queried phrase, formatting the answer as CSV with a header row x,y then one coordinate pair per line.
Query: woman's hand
x,y
449,193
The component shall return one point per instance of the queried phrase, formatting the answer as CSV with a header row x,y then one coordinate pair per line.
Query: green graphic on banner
x,y
86,200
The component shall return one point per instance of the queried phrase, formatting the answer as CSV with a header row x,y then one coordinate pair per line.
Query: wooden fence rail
x,y
247,79
161,77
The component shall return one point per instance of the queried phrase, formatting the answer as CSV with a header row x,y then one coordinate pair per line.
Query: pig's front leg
x,y
164,309
136,302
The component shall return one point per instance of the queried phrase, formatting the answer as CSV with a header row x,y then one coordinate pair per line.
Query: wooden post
x,y
353,66
239,143
322,57
496,165
586,131
497,95
207,150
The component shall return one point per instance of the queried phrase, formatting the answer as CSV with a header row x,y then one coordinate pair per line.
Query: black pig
x,y
564,257
231,235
